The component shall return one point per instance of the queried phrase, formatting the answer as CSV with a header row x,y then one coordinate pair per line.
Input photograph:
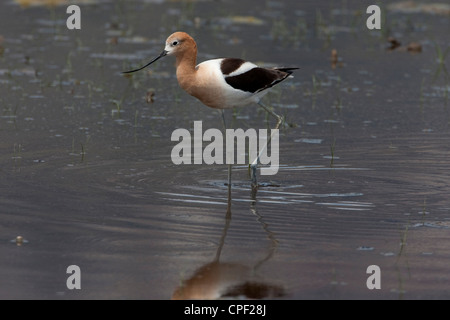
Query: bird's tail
x,y
287,70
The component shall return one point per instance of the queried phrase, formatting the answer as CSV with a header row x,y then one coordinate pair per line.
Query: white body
x,y
216,92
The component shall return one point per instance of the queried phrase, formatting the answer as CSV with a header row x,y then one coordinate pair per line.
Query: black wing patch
x,y
258,79
229,65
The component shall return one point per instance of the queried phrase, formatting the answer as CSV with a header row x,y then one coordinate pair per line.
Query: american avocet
x,y
222,83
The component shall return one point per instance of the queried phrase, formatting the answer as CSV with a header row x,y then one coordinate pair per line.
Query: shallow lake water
x,y
87,179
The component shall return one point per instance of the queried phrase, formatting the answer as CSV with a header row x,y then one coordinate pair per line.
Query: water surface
x,y
86,176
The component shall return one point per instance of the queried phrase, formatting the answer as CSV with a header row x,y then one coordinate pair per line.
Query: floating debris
x,y
286,106
414,47
388,254
364,248
19,240
113,41
51,3
247,20
307,140
334,58
435,224
133,40
394,43
415,7
149,96
336,61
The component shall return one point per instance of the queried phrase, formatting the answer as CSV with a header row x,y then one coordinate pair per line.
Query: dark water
x,y
86,176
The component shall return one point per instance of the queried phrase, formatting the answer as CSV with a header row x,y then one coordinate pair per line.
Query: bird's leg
x,y
229,187
254,164
229,165
222,112
279,118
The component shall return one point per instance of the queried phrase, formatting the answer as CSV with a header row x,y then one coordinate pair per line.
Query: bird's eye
x,y
174,43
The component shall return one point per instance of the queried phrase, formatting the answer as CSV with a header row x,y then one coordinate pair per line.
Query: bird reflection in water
x,y
222,280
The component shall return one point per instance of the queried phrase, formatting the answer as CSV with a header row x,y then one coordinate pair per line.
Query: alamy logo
x,y
190,149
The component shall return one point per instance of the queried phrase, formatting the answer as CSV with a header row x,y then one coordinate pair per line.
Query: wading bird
x,y
222,83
